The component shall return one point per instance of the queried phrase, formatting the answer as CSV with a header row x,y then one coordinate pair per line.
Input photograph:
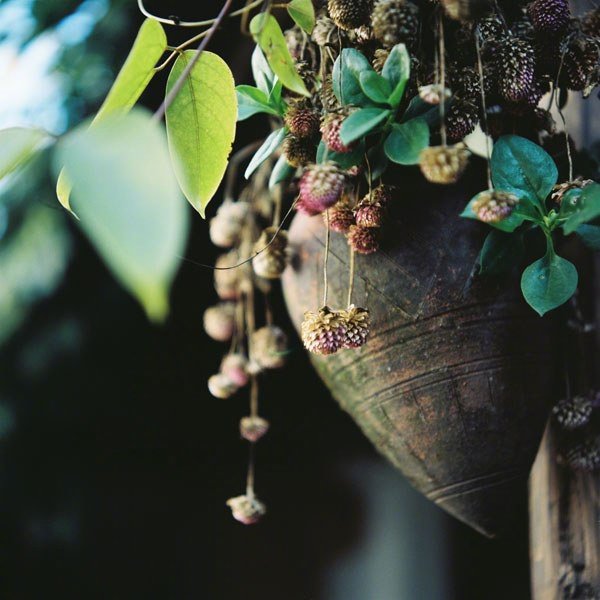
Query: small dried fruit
x,y
370,212
247,509
221,386
298,151
357,325
395,22
364,240
350,14
341,217
219,321
235,368
584,455
321,187
444,164
272,260
572,413
225,227
549,16
253,428
323,332
493,206
268,347
330,129
302,120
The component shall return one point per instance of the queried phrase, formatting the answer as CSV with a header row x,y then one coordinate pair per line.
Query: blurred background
x,y
115,462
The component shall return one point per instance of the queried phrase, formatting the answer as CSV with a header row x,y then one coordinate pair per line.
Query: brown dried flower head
x,y
253,428
493,206
364,240
323,332
247,509
357,325
444,164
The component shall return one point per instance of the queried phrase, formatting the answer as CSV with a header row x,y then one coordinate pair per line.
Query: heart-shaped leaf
x,y
549,282
273,141
128,202
523,168
346,77
201,125
303,14
133,78
361,123
406,141
268,35
17,146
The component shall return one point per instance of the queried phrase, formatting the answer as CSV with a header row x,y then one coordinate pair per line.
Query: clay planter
x,y
455,383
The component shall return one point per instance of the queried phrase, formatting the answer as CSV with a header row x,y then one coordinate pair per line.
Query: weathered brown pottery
x,y
455,382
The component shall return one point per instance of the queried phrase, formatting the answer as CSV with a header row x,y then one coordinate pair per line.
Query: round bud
x,y
268,347
234,367
221,386
253,428
219,321
247,509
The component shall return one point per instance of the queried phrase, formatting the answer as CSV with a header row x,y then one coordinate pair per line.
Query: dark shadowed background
x,y
115,462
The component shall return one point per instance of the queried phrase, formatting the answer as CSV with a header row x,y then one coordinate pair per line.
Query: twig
x,y
325,279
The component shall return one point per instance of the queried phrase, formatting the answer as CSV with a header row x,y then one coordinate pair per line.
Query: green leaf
x,y
378,162
128,202
201,126
252,101
548,282
590,235
17,146
587,208
396,71
262,72
303,14
346,77
375,87
523,168
281,171
269,146
268,35
344,160
417,107
406,141
501,252
361,123
133,78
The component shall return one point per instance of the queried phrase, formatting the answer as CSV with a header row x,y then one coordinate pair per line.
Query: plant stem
x,y
160,113
325,280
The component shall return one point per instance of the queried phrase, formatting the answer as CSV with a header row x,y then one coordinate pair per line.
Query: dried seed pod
x,y
327,95
466,10
226,226
590,24
444,164
321,186
341,216
514,66
461,119
432,93
379,57
221,386
581,67
357,325
572,413
268,347
382,194
247,509
299,151
560,190
395,22
370,212
364,240
227,277
219,321
253,428
583,455
493,206
235,368
302,120
325,31
323,332
350,14
549,16
491,27
272,260
330,130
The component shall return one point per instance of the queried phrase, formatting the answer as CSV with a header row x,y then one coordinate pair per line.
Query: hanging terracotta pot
x,y
456,380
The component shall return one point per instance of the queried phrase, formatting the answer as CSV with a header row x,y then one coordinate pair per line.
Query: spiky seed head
x,y
321,186
581,67
221,386
271,261
395,22
325,31
466,10
370,212
323,332
493,206
357,324
302,120
549,16
491,28
350,14
514,66
590,24
364,240
298,151
573,413
461,119
330,130
341,216
219,321
253,428
583,455
444,164
268,347
226,226
247,509
379,57
235,367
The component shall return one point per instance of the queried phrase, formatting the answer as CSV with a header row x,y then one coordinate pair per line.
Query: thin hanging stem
x,y
254,396
178,86
569,155
351,276
325,260
488,153
250,475
442,54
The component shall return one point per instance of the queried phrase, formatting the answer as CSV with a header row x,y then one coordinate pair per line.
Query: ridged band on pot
x,y
455,384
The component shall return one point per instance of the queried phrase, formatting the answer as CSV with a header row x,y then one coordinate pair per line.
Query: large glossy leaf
x,y
201,124
262,72
273,141
375,87
128,202
268,35
252,101
303,13
362,122
344,160
586,209
17,145
346,77
523,168
549,282
396,71
501,252
406,141
133,78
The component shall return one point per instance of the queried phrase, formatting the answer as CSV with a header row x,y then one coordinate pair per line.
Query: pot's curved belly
x,y
455,382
